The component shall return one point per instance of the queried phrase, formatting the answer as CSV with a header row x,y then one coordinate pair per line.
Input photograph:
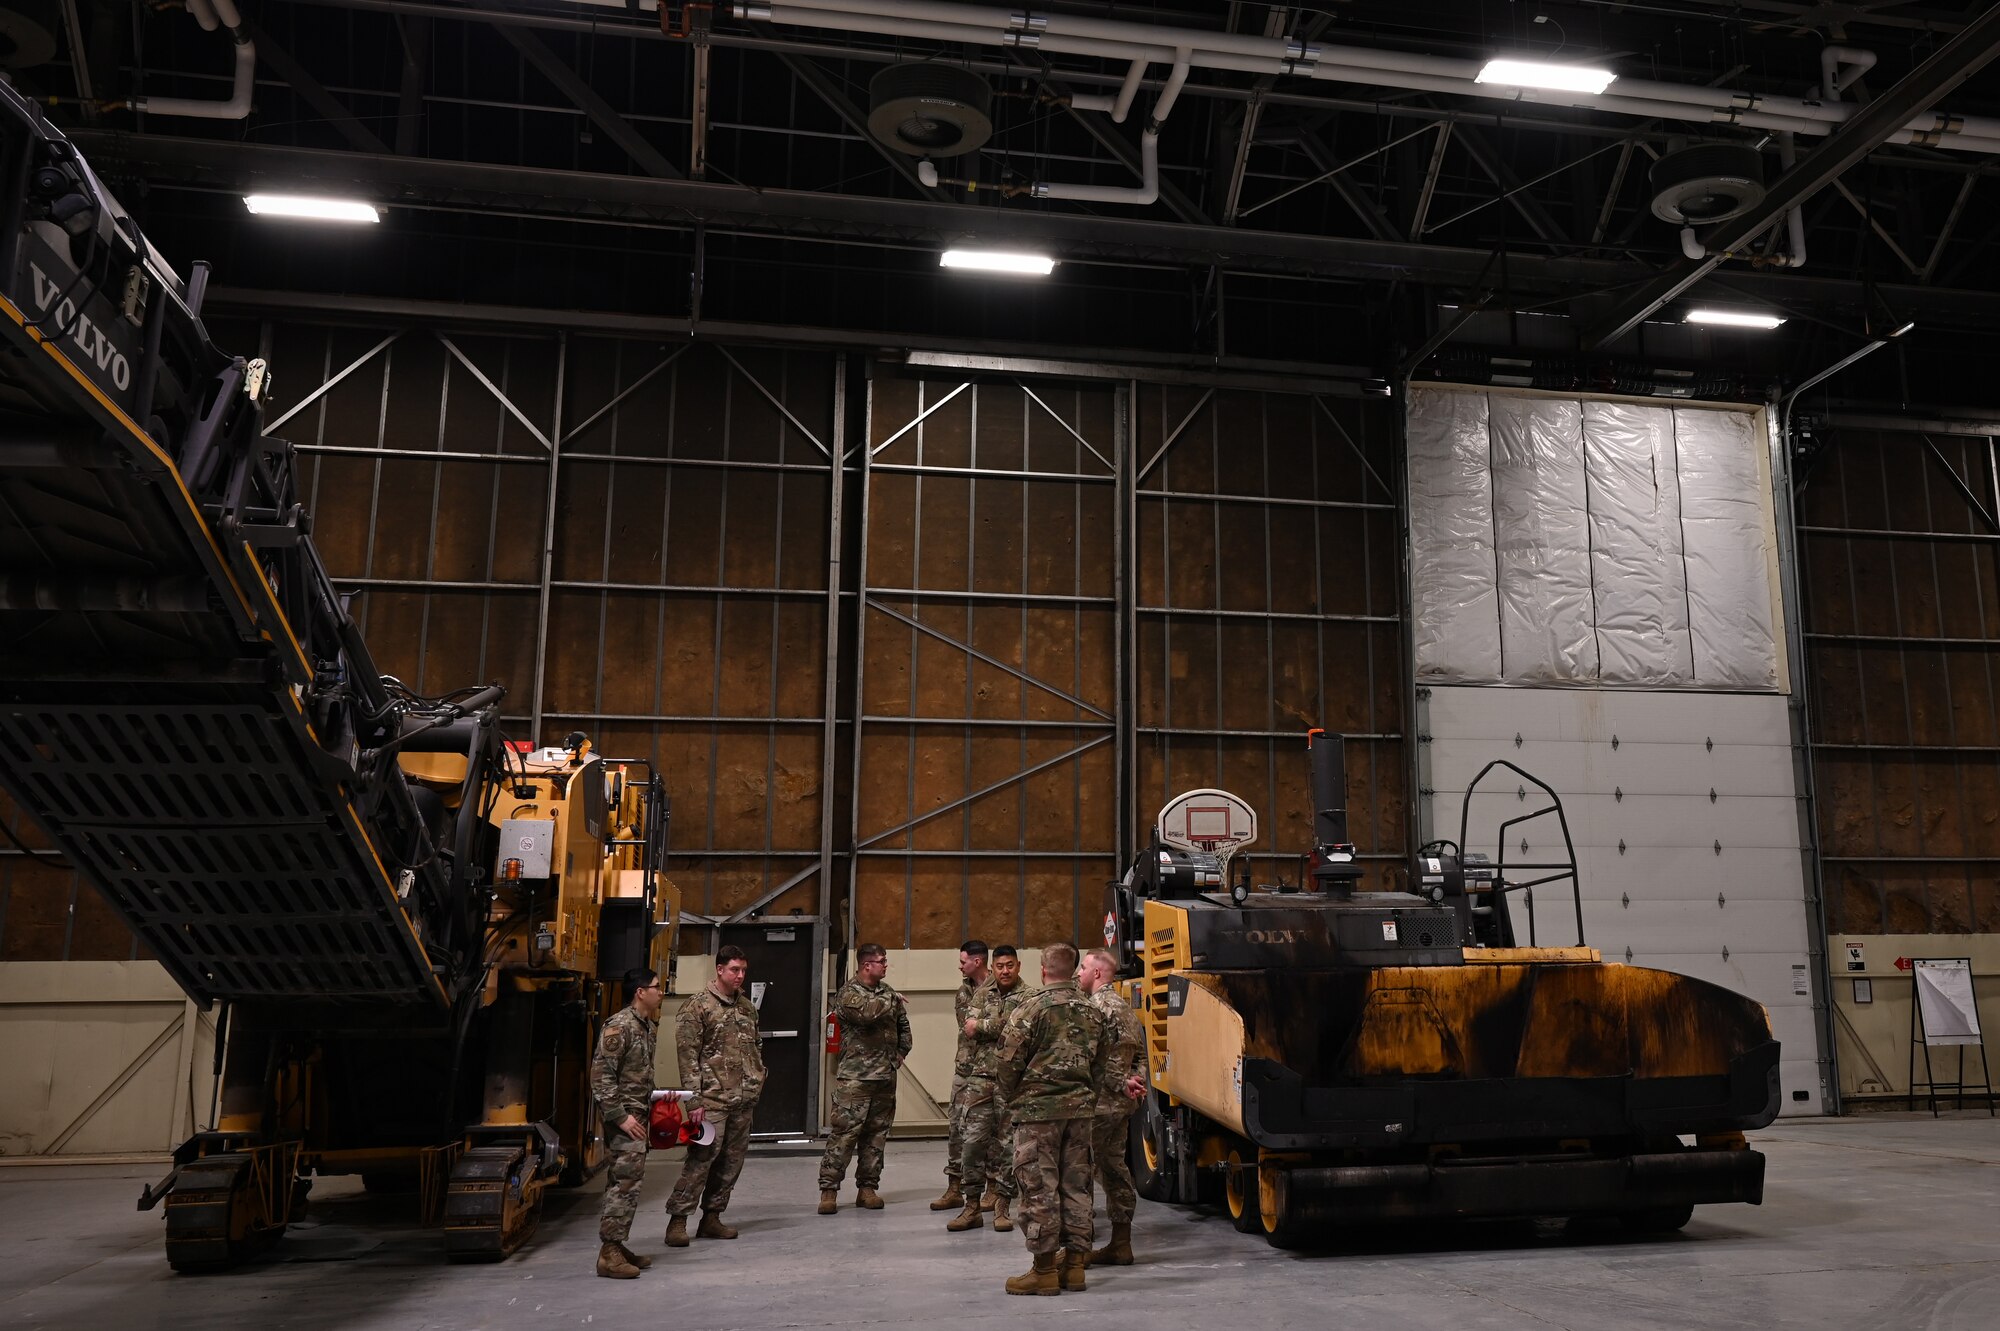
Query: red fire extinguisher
x,y
833,1032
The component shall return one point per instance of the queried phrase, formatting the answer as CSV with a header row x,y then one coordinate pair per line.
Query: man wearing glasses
x,y
621,1077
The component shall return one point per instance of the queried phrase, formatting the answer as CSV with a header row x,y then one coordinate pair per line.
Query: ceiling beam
x,y
827,90
1949,66
416,35
585,98
1360,200
313,93
232,166
1494,164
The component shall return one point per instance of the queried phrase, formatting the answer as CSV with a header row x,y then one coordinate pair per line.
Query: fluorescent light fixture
x,y
998,261
317,210
1534,74
1905,328
1734,319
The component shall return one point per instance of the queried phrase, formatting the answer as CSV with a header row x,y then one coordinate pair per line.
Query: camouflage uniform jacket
x,y
621,1071
991,1007
874,1031
1053,1057
961,1007
1127,1039
720,1055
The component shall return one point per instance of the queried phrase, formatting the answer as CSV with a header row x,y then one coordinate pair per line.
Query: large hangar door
x,y
1595,598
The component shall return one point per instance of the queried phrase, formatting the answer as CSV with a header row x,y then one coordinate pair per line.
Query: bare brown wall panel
x,y
1906,730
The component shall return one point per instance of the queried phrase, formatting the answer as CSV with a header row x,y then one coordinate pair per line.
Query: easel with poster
x,y
1944,1011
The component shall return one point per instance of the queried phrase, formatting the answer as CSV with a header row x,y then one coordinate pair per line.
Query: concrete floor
x,y
1882,1222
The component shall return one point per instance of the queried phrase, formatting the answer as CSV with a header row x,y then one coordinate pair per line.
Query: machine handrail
x,y
1555,806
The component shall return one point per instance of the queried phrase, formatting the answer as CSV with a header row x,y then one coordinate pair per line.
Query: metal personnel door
x,y
781,980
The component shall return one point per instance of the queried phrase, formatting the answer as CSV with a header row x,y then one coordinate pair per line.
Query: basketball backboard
x,y
1210,820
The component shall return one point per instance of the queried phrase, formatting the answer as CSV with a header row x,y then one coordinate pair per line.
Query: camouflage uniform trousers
x,y
622,1175
986,1143
862,1113
954,1147
1052,1167
1109,1134
710,1172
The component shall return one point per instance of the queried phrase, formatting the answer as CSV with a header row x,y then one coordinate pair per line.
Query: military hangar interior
x,y
496,494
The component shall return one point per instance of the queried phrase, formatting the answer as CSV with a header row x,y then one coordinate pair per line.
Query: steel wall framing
x,y
493,530
1267,565
1902,630
652,544
985,768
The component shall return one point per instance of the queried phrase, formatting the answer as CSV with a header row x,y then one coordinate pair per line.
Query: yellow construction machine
x,y
1322,1058
406,923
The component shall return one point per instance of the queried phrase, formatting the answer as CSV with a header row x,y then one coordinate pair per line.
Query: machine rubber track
x,y
492,1203
212,1216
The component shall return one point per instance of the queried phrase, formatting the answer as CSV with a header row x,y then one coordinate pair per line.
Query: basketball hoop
x,y
1212,821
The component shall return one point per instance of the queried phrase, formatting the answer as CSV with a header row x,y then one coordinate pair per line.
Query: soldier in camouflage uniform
x,y
1124,1086
986,1137
1050,1072
621,1079
875,1039
722,1061
972,972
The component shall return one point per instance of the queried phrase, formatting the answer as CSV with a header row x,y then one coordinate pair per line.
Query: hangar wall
x,y
964,696
1902,628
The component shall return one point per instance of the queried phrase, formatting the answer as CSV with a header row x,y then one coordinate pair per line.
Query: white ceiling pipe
x,y
1272,55
892,26
1148,189
1795,220
981,25
237,107
1138,196
1119,106
1833,59
1127,91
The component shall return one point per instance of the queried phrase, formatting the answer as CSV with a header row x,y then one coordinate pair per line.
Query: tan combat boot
x,y
1003,1223
611,1263
1041,1278
711,1227
953,1198
1072,1271
1118,1252
969,1218
991,1197
677,1232
868,1199
641,1262
828,1202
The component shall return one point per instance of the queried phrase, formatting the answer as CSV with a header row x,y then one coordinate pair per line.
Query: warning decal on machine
x,y
1388,931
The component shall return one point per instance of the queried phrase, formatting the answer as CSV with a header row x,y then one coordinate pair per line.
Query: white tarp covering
x,y
1635,544
1457,623
1723,504
1561,541
1541,532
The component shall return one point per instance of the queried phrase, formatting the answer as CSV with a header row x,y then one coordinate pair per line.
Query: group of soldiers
x,y
1043,1088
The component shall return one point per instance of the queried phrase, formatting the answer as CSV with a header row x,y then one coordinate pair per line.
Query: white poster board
x,y
1944,994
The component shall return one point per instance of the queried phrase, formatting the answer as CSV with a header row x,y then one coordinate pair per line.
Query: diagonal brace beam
x,y
1870,127
581,95
313,93
995,662
981,794
824,87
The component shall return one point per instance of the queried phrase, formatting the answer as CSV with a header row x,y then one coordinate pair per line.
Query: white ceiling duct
x,y
1110,39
